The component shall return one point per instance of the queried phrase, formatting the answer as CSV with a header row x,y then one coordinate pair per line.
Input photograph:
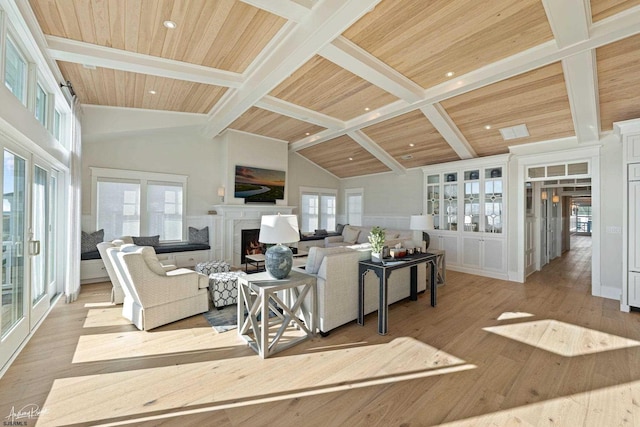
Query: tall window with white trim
x,y
353,198
318,209
132,203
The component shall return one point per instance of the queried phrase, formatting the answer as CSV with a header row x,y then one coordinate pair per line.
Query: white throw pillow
x,y
350,235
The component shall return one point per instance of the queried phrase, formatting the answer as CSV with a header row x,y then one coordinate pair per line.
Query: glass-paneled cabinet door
x,y
433,199
472,200
493,200
450,201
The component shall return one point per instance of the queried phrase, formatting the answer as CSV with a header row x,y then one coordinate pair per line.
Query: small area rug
x,y
224,319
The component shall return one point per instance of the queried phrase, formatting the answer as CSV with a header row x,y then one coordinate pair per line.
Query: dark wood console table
x,y
383,271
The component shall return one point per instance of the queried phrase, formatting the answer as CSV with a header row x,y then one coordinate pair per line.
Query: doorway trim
x,y
517,244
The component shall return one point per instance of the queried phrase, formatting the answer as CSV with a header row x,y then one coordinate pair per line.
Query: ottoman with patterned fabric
x,y
223,287
209,267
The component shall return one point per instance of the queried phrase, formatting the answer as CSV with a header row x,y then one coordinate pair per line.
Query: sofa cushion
x,y
317,254
89,241
363,237
350,234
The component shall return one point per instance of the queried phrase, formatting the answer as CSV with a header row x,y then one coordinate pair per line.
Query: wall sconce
x,y
221,193
544,195
555,198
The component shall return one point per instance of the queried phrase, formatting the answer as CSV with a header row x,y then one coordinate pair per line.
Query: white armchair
x,y
117,294
153,296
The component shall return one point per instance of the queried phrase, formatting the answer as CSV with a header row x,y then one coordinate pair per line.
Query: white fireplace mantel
x,y
229,222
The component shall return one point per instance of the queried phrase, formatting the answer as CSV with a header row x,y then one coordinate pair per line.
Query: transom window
x,y
15,71
41,105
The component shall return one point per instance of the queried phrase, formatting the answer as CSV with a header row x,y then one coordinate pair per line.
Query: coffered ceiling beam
x,y
372,147
449,131
99,56
353,58
287,9
581,78
288,109
326,21
623,25
570,21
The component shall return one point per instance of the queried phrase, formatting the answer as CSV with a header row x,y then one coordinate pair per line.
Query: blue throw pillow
x,y
89,241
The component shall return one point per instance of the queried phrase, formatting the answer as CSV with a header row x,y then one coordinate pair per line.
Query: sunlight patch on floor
x,y
100,317
99,304
233,382
508,315
99,347
609,406
562,338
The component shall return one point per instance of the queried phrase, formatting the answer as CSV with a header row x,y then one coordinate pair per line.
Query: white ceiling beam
x,y
287,9
99,56
353,58
581,78
449,131
568,20
372,147
294,111
609,30
325,22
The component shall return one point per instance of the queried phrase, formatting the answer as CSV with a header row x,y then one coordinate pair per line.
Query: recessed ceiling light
x,y
350,158
307,134
487,127
366,109
152,92
170,24
412,145
450,74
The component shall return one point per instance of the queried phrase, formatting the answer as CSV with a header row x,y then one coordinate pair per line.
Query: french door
x,y
28,233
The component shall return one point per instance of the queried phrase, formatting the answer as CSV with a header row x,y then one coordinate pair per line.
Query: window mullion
x,y
144,213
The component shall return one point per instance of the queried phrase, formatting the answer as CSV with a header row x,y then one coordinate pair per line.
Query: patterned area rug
x,y
224,319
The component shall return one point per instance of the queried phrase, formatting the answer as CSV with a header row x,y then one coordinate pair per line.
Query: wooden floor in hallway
x,y
491,353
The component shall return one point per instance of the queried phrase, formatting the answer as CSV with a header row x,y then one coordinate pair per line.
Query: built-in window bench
x,y
183,254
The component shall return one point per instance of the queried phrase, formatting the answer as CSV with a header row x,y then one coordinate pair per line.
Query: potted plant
x,y
376,238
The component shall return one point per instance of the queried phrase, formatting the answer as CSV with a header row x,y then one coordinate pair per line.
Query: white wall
x,y
303,173
387,193
167,151
240,148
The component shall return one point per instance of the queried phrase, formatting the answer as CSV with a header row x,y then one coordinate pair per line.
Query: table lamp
x,y
421,223
278,229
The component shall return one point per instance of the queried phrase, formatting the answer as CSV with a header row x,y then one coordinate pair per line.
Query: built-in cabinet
x,y
468,202
630,132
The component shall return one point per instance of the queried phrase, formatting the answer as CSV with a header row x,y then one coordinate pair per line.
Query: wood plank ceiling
x,y
389,84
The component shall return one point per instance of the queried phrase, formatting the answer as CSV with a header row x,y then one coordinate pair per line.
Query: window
x,y
318,209
41,105
57,117
131,203
354,206
15,72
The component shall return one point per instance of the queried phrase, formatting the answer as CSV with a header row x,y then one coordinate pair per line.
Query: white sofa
x,y
359,235
336,271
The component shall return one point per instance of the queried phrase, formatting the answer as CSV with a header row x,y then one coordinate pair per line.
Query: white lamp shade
x,y
221,191
279,229
421,222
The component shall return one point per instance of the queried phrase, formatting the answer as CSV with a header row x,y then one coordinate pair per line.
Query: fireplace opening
x,y
250,245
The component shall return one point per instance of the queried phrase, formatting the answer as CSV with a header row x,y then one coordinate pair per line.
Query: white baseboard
x,y
493,275
611,293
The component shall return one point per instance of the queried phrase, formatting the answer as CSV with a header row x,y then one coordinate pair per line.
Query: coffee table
x,y
256,260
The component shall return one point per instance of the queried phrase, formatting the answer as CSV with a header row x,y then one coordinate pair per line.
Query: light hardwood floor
x,y
491,353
